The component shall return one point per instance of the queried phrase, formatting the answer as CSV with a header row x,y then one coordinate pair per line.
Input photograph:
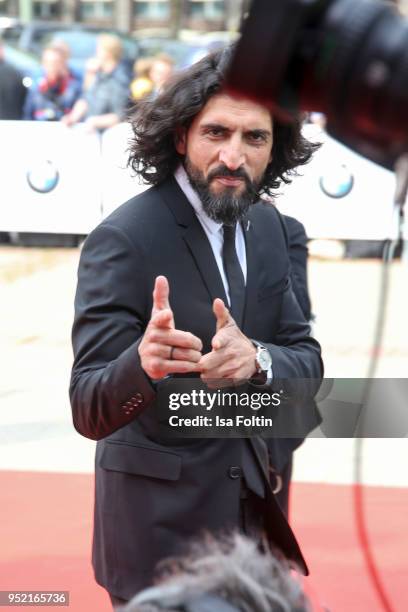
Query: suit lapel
x,y
253,263
195,238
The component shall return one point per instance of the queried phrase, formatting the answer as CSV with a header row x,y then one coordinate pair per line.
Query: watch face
x,y
264,359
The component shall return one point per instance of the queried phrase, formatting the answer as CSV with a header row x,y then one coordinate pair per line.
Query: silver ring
x,y
171,352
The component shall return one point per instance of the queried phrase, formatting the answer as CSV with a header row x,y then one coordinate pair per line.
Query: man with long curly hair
x,y
190,278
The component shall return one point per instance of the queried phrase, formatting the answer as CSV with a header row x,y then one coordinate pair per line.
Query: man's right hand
x,y
164,349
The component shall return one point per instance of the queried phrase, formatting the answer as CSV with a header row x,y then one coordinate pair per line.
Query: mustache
x,y
224,171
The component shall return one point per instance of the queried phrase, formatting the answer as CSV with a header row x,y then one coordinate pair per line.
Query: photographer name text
x,y
238,420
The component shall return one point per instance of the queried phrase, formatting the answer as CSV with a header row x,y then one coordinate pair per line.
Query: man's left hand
x,y
232,360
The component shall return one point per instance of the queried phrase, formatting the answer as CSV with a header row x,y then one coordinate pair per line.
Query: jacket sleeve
x,y
297,369
108,387
295,354
304,416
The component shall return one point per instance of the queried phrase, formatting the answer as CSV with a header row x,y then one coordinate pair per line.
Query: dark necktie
x,y
233,271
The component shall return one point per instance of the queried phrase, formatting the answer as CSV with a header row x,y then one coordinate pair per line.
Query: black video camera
x,y
345,58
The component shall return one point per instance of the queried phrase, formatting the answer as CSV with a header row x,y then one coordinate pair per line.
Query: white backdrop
x,y
94,180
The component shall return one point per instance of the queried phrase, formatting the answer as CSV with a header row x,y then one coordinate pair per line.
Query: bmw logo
x,y
337,182
43,177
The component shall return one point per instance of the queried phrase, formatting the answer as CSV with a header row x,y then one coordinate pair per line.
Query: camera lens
x,y
345,58
363,86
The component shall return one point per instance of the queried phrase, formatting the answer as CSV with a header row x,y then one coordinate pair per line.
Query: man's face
x,y
53,64
227,150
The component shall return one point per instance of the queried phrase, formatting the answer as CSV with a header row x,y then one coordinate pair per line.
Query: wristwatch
x,y
263,361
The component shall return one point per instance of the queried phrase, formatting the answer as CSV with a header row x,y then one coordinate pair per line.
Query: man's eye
x,y
216,132
257,137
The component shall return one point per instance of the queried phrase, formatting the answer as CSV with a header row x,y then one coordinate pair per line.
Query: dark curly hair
x,y
228,573
153,153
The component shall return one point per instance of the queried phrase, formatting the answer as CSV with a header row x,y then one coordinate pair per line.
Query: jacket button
x,y
235,472
137,399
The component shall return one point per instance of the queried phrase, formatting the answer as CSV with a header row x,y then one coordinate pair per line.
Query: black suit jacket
x,y
153,494
297,241
281,448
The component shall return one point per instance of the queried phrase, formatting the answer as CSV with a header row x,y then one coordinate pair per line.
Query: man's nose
x,y
232,155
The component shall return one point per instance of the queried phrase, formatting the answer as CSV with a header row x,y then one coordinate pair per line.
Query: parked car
x,y
10,28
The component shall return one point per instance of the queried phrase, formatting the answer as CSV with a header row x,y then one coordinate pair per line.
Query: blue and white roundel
x,y
43,177
337,182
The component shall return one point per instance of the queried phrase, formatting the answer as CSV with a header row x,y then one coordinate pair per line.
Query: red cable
x,y
365,546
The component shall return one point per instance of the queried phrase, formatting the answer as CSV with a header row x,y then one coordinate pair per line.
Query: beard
x,y
227,207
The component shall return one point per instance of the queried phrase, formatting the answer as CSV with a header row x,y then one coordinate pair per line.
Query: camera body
x,y
345,58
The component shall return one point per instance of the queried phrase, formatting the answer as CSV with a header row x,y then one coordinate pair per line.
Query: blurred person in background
x,y
54,94
12,90
142,85
63,47
281,449
104,103
92,66
161,70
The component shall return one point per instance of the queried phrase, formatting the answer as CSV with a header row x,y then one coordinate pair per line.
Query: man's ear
x,y
180,140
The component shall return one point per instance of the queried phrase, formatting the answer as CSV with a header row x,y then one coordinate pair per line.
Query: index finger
x,y
162,319
161,294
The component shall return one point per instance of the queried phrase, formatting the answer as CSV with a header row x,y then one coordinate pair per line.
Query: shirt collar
x,y
192,196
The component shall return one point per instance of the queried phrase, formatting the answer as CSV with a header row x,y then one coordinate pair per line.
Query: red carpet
x,y
46,523
323,519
